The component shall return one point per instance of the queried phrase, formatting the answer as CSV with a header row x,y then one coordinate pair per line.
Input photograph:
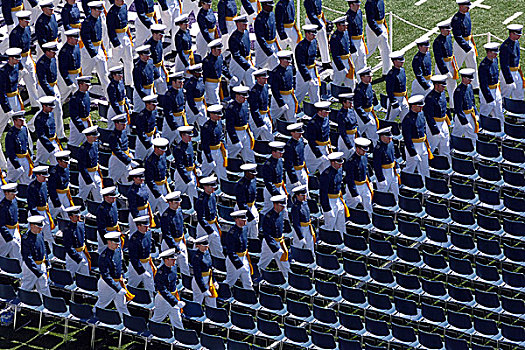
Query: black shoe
x,y
476,91
327,66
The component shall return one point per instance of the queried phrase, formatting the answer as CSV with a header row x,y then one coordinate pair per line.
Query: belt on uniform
x,y
351,132
211,30
187,52
152,132
473,115
287,92
129,296
121,102
216,223
381,21
40,262
424,139
29,160
151,14
371,110
271,41
400,94
420,140
263,111
150,214
514,69
468,38
150,261
12,227
18,8
289,25
388,166
97,43
322,143
359,183
357,37
340,197
122,30
12,94
443,119
93,169
309,224
345,57
280,240
74,71
86,253
159,64
190,168
241,128
198,99
452,59
299,167
67,192
53,83
494,86
242,254
113,228
25,54
75,25
178,239
213,80
427,77
145,260
250,204
206,274
230,18
126,152
149,86
310,66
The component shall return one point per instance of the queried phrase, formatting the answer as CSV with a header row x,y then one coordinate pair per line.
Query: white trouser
x,y
161,85
179,65
35,11
302,177
243,147
451,82
182,257
340,77
65,90
20,174
335,219
292,39
199,118
141,152
125,52
494,108
268,204
202,44
216,166
441,142
189,188
469,58
363,196
118,171
142,33
467,130
199,296
214,239
342,147
419,161
132,225
158,203
239,75
43,156
231,27
163,309
106,295
381,41
312,162
138,104
233,273
190,5
99,63
263,132
263,61
46,231
146,277
251,18
28,74
390,184
252,227
266,258
57,112
94,188
76,138
514,90
173,136
74,267
212,92
11,249
30,280
64,202
289,114
304,87
309,239
168,18
359,57
322,40
369,129
401,111
417,89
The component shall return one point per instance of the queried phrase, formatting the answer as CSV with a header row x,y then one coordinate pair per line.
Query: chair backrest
x,y
409,282
511,332
110,317
301,282
295,334
243,321
7,292
488,196
459,320
413,181
271,301
135,323
430,340
436,234
212,342
81,311
409,228
359,216
455,343
228,187
61,277
10,265
488,246
487,299
514,253
489,223
408,254
217,315
379,301
352,322
273,277
186,336
192,309
29,297
489,172
268,327
326,289
324,315
323,340
460,294
435,288
462,191
514,227
403,333
460,266
246,296
329,236
327,261
436,210
383,222
486,272
384,199
337,90
513,178
354,242
54,304
432,313
410,204
514,306
405,306
355,267
513,279
513,154
298,308
436,186
461,144
377,327
353,295
142,296
381,275
462,241
485,326
439,162
160,330
86,282
489,124
487,149
463,166
303,256
516,131
462,217
237,345
380,247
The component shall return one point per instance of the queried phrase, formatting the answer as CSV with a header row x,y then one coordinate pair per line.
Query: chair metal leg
x,y
65,329
93,337
14,319
119,339
40,322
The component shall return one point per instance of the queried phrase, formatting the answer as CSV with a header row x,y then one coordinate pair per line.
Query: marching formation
x,y
220,118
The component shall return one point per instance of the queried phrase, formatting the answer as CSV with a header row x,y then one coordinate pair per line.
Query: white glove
x,y
122,291
72,88
181,304
450,75
302,242
285,107
382,183
325,158
10,113
162,198
213,164
358,197
418,157
134,164
207,293
313,82
198,172
62,208
295,184
147,274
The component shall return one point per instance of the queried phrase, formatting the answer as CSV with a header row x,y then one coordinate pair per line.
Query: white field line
x,y
420,2
512,18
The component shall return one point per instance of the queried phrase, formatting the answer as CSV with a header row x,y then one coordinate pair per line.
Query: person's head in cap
x,y
277,148
96,8
250,170
73,213
157,31
296,130
300,192
362,145
183,22
241,22
202,243
150,102
346,100
215,47
445,27
323,108
169,256
47,7
354,5
365,74
62,158
50,49
47,103
205,4
116,73
144,52
310,31
336,159
492,50
36,223
142,223
241,93
185,132
515,31
385,134
118,3
91,133
173,199
261,76
440,82
239,216
10,190
41,173
84,83
423,44
279,202
266,5
14,55
340,23
464,5
195,70
467,75
177,79
18,119
416,103
209,184
397,59
160,145
120,121
72,36
24,18
285,57
113,239
215,112
109,194
137,176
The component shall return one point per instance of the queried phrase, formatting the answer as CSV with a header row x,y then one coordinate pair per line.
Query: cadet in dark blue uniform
x,y
146,17
185,179
396,88
207,27
69,64
172,225
303,231
241,66
438,121
289,33
9,10
20,166
144,75
318,136
334,208
377,32
119,35
156,175
79,112
444,57
240,137
358,185
206,208
213,68
107,216
274,246
141,268
386,168
77,255
490,101
464,45
34,257
422,67
245,193
202,284
157,56
138,195
347,125
266,45
121,160
272,172
465,111
294,162
417,148
511,75
111,285
282,82
70,15
226,12
173,104
354,19
44,124
259,102
185,57
90,179
116,92
194,90
215,155
308,80
46,26
58,184
10,240
167,300
315,16
342,62
145,124
235,241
